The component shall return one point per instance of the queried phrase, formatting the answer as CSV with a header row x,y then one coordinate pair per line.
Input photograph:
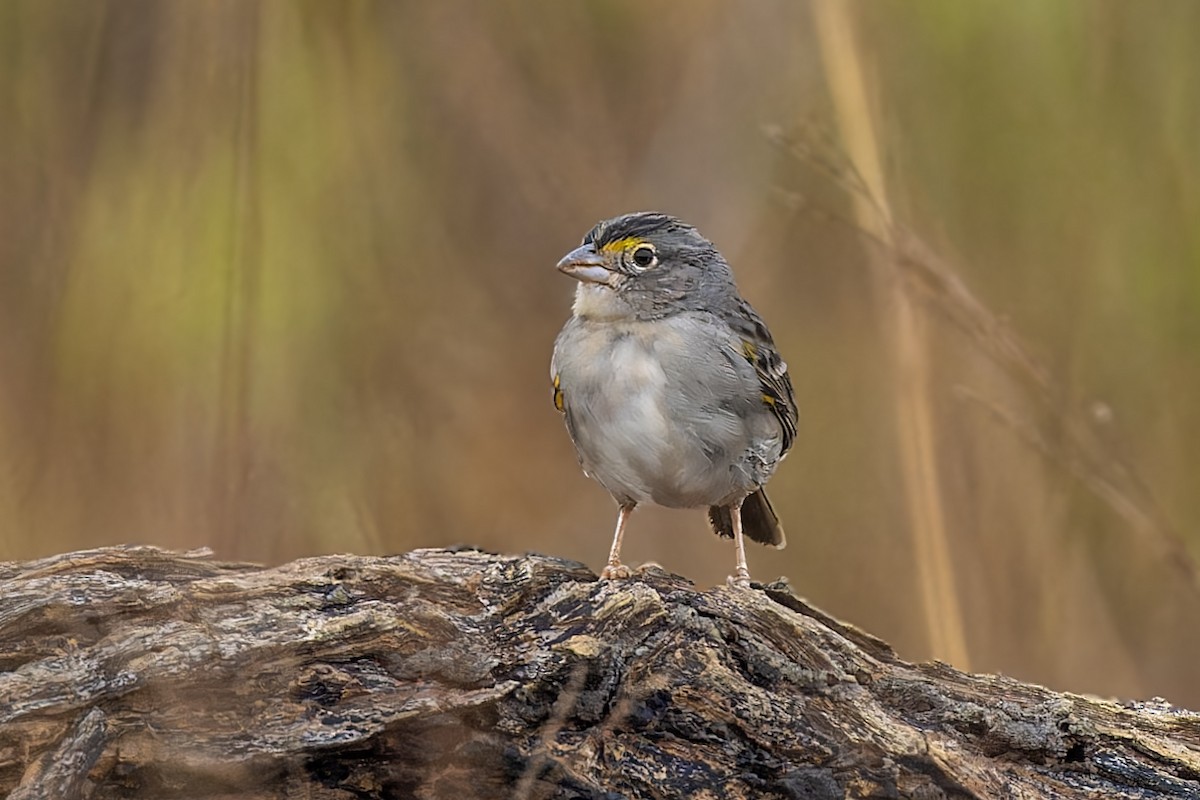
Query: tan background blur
x,y
278,278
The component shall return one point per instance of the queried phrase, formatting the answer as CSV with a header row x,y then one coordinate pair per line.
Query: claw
x,y
616,572
738,581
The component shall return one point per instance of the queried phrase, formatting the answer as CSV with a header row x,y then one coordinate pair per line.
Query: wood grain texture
x,y
136,672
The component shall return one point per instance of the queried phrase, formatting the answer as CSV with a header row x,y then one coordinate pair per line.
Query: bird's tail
x,y
759,521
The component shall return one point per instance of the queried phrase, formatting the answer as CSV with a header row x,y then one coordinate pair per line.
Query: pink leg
x,y
741,577
615,570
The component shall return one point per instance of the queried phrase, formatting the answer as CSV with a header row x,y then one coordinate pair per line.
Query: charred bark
x,y
136,672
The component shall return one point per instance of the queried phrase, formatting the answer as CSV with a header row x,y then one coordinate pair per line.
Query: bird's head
x,y
645,265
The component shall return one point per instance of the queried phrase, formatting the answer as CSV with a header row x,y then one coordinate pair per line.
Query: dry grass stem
x,y
907,337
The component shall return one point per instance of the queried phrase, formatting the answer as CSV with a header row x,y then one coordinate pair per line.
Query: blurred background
x,y
278,278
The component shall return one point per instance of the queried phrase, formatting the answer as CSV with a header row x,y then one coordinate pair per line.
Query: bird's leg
x,y
740,579
615,570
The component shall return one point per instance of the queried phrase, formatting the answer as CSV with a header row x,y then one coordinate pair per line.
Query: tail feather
x,y
759,521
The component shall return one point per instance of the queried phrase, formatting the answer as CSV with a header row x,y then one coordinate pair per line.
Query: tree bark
x,y
137,672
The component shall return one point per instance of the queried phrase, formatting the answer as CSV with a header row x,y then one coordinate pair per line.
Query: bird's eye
x,y
644,257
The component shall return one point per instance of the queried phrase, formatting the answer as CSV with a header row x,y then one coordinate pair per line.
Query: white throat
x,y
596,301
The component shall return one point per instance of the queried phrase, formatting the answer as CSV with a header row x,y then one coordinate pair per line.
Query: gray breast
x,y
665,411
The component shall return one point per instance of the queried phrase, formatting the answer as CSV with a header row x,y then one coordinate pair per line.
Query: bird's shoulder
x,y
757,346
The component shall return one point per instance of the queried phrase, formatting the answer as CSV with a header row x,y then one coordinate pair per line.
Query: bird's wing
x,y
758,348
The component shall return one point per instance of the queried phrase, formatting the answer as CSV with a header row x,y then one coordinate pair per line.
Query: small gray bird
x,y
669,382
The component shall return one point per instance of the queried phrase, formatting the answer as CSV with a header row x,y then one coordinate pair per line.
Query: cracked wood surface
x,y
137,672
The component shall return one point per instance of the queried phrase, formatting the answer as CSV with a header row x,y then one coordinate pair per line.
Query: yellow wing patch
x,y
776,387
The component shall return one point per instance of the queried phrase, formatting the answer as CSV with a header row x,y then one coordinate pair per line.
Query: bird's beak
x,y
585,264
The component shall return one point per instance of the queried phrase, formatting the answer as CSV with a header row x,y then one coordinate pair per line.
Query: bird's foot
x,y
616,572
739,581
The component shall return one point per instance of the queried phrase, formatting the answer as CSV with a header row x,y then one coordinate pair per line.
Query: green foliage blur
x,y
278,278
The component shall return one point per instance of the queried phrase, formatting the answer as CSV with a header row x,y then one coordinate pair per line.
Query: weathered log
x,y
136,672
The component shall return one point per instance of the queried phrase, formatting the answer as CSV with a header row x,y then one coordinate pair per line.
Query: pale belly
x,y
652,425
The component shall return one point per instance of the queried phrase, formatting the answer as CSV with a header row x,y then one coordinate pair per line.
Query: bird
x,y
669,382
